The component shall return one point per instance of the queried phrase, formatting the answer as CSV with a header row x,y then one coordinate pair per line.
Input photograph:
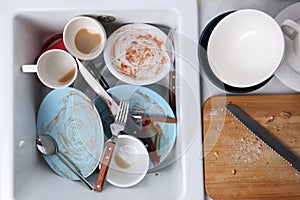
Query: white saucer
x,y
285,72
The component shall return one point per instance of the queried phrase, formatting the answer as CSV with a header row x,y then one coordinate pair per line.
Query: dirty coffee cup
x,y
292,30
55,68
84,37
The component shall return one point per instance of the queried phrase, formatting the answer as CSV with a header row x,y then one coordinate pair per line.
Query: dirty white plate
x,y
137,54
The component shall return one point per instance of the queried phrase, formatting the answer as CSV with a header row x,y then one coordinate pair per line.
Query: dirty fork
x,y
115,128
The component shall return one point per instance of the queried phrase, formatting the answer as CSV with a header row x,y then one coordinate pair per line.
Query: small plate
x,y
137,54
158,137
285,72
72,120
204,64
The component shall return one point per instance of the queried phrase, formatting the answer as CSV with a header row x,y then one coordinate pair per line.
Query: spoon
x,y
48,146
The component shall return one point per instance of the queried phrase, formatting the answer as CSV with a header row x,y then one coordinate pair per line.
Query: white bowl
x,y
130,162
245,48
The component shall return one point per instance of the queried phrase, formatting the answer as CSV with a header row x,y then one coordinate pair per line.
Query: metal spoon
x,y
48,146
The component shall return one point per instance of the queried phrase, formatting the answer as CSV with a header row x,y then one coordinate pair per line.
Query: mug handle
x,y
290,28
29,68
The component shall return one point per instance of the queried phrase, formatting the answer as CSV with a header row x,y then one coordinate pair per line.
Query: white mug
x,y
55,68
292,30
84,37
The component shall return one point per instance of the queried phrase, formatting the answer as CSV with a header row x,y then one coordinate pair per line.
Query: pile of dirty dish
x,y
78,135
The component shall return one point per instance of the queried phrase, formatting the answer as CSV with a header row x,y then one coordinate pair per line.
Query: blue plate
x,y
71,118
159,138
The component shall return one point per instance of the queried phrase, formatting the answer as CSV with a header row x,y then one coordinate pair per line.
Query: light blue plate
x,y
71,118
143,101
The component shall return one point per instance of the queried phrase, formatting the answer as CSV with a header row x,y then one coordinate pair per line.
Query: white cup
x,y
292,30
130,162
84,37
55,68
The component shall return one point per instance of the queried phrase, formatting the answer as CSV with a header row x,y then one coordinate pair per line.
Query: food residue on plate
x,y
139,53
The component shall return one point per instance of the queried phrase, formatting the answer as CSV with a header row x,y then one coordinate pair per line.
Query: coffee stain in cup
x,y
69,75
121,162
87,42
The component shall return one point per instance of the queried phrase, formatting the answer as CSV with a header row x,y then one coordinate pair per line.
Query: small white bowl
x,y
77,24
130,162
245,48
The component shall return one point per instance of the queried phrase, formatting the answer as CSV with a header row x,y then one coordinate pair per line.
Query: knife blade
x,y
99,90
153,118
265,136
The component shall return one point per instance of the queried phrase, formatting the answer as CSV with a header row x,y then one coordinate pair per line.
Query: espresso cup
x,y
292,30
84,37
55,68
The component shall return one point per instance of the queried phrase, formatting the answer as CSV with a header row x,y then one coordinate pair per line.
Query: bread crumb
x,y
269,119
233,172
285,115
216,154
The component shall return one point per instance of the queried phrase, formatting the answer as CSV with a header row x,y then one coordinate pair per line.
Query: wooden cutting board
x,y
237,165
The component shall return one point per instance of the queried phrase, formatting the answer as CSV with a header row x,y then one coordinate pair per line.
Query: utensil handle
x,y
172,97
70,166
104,166
290,28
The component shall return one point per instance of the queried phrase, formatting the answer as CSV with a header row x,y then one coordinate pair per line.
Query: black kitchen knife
x,y
264,135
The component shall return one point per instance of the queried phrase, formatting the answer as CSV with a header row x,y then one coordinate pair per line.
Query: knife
x,y
99,90
265,136
153,118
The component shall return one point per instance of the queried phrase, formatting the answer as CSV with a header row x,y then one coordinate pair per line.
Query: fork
x,y
115,128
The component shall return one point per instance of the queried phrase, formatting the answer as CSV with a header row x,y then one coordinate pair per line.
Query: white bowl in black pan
x,y
211,71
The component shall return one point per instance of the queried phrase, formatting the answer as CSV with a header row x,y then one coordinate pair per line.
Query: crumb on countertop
x,y
233,172
269,119
216,154
285,115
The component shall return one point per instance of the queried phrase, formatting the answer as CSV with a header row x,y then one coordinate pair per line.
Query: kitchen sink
x,y
24,175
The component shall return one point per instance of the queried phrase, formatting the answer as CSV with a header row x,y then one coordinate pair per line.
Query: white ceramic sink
x,y
24,175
